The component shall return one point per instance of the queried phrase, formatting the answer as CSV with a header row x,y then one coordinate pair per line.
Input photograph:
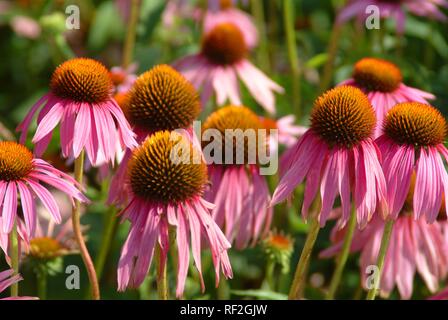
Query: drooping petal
x,y
428,189
49,122
195,232
149,236
9,207
82,129
183,253
68,129
310,147
259,85
47,200
25,124
28,208
328,189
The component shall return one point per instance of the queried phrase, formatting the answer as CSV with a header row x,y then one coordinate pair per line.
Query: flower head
x,y
279,248
413,143
223,58
224,11
382,82
168,193
21,178
160,99
224,44
45,248
156,177
240,193
338,155
80,99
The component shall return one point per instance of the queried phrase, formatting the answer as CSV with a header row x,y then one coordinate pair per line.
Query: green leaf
x,y
427,33
317,61
151,17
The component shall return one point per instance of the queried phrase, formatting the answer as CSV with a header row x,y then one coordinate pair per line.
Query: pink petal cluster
x,y
7,279
241,197
241,19
415,246
30,189
95,127
150,223
356,171
431,185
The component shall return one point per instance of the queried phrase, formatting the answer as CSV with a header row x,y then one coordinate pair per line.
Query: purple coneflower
x,y
240,194
21,177
168,194
160,99
80,100
225,11
338,155
222,60
413,143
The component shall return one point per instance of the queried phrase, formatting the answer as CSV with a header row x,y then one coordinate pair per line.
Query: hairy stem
x,y
387,232
343,256
128,51
14,254
298,284
289,16
263,53
41,277
162,283
106,241
76,221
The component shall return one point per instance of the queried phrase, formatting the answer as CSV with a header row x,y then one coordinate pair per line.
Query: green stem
x,y
298,284
76,221
42,284
14,254
106,241
270,268
429,53
128,50
289,16
343,256
162,283
223,291
332,50
263,53
358,293
381,258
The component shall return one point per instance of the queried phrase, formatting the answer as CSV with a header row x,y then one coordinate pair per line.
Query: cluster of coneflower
x,y
373,143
